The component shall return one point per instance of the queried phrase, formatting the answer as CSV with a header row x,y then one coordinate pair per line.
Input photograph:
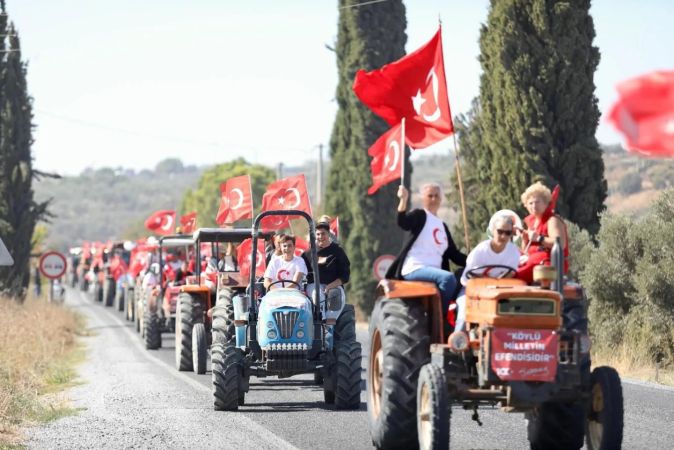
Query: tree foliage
x,y
205,198
369,36
537,112
630,279
19,212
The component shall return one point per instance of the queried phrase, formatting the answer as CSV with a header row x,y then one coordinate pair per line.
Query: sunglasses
x,y
505,232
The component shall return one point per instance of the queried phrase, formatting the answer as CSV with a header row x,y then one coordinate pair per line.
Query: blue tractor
x,y
282,333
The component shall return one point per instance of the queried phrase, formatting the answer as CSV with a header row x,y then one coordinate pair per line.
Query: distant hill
x,y
107,203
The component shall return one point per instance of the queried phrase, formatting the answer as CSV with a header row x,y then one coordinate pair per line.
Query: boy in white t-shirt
x,y
497,251
287,266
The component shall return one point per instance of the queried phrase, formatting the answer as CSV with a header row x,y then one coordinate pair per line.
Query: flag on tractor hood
x,y
644,114
236,200
413,88
188,222
243,256
285,194
161,222
387,158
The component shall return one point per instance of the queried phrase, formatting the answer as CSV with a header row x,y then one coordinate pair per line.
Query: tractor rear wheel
x,y
119,298
129,299
399,347
152,330
98,291
347,372
138,313
199,350
188,311
604,427
223,330
433,408
345,328
227,365
109,291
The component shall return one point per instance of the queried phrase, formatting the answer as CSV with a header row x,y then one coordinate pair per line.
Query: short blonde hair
x,y
537,189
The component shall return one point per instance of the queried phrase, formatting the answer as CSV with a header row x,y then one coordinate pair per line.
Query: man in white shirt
x,y
497,251
287,266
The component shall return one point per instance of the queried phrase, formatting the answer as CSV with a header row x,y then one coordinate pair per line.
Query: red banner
x,y
524,355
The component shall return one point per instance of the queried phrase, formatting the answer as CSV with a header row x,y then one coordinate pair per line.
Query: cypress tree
x,y
369,36
18,210
537,110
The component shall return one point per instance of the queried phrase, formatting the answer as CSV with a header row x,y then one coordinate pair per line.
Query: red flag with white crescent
x,y
388,157
413,88
644,114
161,222
301,246
188,222
285,194
334,226
236,200
243,255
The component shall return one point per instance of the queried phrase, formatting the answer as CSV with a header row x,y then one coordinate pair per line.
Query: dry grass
x,y
629,365
38,351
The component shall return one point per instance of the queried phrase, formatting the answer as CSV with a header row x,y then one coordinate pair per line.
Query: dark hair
x,y
287,237
323,226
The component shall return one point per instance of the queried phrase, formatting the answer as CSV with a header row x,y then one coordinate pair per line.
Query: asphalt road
x,y
135,398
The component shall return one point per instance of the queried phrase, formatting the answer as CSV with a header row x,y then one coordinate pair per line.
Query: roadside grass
x,y
630,365
38,355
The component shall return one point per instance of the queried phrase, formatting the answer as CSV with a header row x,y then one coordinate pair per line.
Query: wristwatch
x,y
540,239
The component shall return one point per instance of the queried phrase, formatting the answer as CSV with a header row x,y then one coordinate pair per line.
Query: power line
x,y
358,5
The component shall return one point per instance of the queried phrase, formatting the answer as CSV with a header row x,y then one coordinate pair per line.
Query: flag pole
x,y
403,156
463,200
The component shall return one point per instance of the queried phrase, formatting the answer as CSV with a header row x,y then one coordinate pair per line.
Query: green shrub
x,y
630,183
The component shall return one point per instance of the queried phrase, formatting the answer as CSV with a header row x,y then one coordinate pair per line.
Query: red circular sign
x,y
381,265
53,265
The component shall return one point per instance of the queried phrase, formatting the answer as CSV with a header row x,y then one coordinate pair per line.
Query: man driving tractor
x,y
286,267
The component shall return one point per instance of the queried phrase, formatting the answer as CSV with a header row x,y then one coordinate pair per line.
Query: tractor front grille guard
x,y
285,321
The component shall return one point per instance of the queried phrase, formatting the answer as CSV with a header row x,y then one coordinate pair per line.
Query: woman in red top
x,y
543,228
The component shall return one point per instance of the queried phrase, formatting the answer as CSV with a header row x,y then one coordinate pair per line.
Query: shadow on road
x,y
284,407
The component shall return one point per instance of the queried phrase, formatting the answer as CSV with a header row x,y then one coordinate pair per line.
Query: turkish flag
x,y
301,246
388,157
285,194
414,88
189,222
236,200
644,113
243,255
334,227
161,222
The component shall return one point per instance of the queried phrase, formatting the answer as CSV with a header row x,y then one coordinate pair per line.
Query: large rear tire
x,y
109,291
199,348
223,330
188,312
151,327
227,365
348,361
399,342
604,426
433,409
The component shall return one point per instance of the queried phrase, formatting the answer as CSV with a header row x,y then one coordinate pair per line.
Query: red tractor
x,y
525,349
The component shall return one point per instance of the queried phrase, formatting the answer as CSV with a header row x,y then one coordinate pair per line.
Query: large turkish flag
x,y
644,113
161,222
189,223
388,158
236,200
414,88
243,255
285,194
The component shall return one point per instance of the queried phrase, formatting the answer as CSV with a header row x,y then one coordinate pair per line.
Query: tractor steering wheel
x,y
483,271
283,282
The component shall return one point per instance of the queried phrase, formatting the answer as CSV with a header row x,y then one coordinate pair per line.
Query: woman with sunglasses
x,y
543,228
497,251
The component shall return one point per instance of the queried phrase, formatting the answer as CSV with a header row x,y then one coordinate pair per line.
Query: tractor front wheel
x,y
199,350
604,427
185,314
152,330
433,409
109,291
227,366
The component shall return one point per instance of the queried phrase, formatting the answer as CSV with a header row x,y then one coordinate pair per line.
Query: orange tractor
x,y
524,348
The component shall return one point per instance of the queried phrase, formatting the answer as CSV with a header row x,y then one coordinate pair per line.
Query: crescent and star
x,y
419,99
396,156
239,202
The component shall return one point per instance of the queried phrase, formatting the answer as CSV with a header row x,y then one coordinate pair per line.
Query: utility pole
x,y
319,176
279,171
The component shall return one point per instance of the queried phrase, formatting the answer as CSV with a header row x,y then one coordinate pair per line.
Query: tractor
x,y
282,333
157,307
213,281
525,348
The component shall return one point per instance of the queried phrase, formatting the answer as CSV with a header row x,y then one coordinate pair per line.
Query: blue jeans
x,y
446,282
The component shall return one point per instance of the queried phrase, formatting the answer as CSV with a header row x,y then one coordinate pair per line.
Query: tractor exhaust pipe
x,y
557,260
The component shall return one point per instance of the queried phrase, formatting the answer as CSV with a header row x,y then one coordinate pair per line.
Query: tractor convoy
x,y
525,348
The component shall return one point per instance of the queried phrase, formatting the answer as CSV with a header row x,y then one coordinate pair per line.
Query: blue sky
x,y
128,83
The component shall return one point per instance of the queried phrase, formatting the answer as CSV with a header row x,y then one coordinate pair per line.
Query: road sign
x,y
381,265
5,258
52,265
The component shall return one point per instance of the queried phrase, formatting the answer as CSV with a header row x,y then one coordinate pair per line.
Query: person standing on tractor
x,y
286,267
495,255
429,247
334,267
543,228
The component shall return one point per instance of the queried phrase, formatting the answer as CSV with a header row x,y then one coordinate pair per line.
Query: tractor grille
x,y
285,321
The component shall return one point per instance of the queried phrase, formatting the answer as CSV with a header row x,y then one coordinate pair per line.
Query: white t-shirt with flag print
x,y
280,269
429,246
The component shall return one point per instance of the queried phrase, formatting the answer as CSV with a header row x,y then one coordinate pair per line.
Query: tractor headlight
x,y
270,324
458,341
271,334
300,324
300,334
